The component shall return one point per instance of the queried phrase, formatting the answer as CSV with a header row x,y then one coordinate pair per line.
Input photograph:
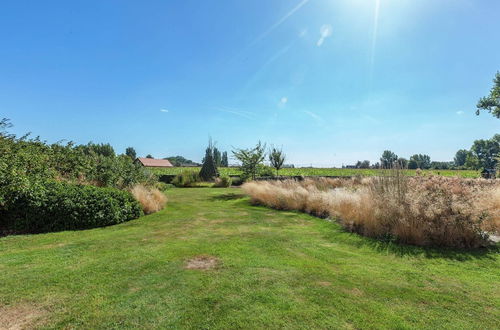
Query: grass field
x,y
275,270
321,171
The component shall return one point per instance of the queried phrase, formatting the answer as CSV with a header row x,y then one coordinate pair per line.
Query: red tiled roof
x,y
150,162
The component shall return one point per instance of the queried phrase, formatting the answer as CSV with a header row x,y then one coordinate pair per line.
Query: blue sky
x,y
331,81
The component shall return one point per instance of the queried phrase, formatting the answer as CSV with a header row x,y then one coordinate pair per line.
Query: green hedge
x,y
223,182
186,179
56,206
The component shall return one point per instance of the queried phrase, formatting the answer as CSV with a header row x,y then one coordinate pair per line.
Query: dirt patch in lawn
x,y
20,317
354,292
202,262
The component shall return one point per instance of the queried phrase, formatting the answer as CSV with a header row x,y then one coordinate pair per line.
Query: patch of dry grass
x,y
151,199
20,317
202,262
429,210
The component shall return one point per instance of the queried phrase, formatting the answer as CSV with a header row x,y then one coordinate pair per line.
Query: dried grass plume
x,y
430,210
151,199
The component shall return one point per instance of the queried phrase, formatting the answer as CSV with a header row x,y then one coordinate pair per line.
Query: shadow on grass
x,y
430,252
404,250
227,197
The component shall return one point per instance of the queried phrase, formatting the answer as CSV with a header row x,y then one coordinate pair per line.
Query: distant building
x,y
151,162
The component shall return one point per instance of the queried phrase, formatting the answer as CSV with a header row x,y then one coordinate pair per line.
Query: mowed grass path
x,y
277,270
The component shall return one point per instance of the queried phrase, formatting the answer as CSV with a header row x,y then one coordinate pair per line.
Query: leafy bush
x,y
236,181
162,186
24,162
222,182
56,206
261,171
266,171
165,178
186,179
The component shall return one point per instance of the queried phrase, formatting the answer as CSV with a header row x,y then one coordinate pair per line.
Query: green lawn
x,y
277,270
321,171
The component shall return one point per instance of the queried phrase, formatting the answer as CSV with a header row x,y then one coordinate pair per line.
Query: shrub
x,y
424,211
186,179
222,182
266,171
236,181
56,206
151,199
162,186
25,161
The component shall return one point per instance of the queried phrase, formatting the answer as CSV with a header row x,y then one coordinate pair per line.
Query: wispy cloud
x,y
279,22
460,112
255,77
241,113
325,32
163,110
314,116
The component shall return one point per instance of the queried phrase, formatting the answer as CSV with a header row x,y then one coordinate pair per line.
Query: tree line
x,y
252,161
483,154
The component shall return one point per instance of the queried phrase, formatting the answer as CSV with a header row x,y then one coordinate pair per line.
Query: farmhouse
x,y
151,162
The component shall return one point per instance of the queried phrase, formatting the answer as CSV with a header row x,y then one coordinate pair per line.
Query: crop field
x,y
308,171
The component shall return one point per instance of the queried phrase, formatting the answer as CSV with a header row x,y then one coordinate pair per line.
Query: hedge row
x,y
56,206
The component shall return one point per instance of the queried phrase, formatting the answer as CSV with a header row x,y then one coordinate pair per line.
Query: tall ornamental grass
x,y
151,199
425,211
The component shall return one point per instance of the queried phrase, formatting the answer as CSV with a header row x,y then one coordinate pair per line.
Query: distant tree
x,y
412,164
149,156
441,165
402,162
491,103
131,152
224,161
388,159
208,170
472,162
419,161
217,157
363,164
277,158
251,159
486,151
102,149
425,161
180,161
460,157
